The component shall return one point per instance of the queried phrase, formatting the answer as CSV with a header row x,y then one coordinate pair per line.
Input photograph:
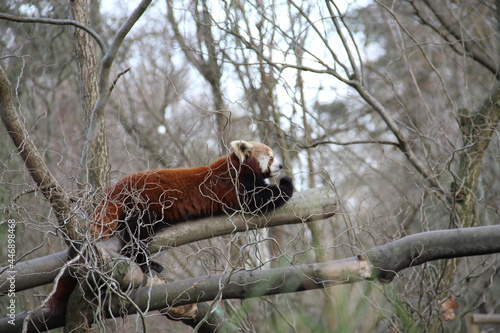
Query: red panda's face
x,y
258,156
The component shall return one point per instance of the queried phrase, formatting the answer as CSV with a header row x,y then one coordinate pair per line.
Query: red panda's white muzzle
x,y
275,167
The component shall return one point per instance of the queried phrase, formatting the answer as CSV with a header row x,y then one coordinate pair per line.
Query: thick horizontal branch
x,y
380,263
305,206
417,249
237,285
33,273
248,284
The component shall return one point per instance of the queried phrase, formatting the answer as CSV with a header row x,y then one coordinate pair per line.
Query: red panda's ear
x,y
242,149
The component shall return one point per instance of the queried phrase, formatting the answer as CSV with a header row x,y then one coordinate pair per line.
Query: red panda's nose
x,y
280,166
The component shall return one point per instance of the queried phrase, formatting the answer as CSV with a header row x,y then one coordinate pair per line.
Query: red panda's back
x,y
171,195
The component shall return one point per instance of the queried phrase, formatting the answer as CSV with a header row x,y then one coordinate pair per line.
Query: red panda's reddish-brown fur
x,y
174,194
141,204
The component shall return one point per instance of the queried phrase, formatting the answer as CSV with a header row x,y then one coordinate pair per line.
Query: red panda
x,y
141,204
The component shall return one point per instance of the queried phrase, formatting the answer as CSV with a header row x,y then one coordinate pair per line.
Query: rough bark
x,y
477,130
95,172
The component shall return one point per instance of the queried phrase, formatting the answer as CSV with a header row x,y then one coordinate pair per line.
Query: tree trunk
x,y
477,130
95,170
94,173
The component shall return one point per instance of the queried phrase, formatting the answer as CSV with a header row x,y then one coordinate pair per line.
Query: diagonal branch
x,y
403,143
470,44
380,263
33,160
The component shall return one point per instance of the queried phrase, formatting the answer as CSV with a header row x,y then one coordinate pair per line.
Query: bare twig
x,y
468,42
117,78
380,263
403,143
349,143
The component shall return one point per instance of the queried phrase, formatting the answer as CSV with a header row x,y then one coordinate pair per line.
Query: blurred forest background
x,y
375,99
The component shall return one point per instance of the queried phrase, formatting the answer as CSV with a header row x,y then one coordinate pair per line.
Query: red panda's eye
x,y
271,158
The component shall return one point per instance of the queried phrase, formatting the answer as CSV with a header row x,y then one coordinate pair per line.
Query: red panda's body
x,y
141,204
167,196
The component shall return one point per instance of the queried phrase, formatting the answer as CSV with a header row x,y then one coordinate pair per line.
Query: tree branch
x,y
306,206
403,143
420,248
249,284
472,48
32,158
90,31
349,143
381,263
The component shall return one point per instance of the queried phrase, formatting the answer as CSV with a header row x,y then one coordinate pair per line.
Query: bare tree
x,y
394,105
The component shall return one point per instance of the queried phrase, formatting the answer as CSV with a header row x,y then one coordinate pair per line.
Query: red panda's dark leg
x,y
260,197
59,300
135,238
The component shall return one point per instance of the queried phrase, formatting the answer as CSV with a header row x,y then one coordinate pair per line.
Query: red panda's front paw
x,y
286,186
286,181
